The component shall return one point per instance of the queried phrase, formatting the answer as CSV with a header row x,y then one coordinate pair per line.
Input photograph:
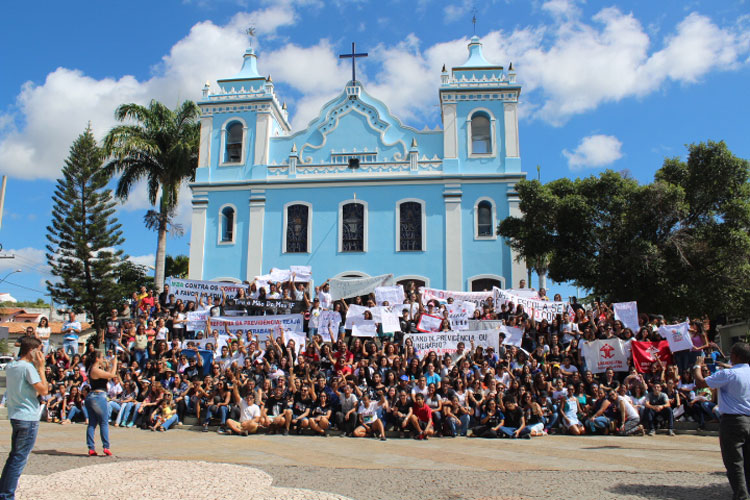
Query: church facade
x,y
357,193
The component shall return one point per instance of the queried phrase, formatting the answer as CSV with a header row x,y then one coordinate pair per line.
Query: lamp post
x,y
12,272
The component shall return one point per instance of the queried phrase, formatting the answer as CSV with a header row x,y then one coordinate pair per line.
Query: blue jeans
x,y
22,442
140,357
77,411
126,411
110,344
213,410
598,423
508,431
112,407
170,422
70,347
96,405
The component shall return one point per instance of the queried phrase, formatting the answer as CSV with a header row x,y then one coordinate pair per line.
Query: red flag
x,y
645,354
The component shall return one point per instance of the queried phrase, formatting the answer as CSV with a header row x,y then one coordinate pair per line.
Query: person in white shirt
x,y
43,333
323,293
162,331
249,414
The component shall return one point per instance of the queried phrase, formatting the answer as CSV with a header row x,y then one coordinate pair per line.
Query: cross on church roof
x,y
354,57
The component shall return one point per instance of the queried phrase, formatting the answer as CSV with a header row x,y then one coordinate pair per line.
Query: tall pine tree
x,y
84,234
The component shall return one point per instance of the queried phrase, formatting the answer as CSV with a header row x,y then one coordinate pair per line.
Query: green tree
x,y
177,266
161,147
678,245
84,234
130,278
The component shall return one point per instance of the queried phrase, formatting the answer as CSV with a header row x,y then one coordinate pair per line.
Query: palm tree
x,y
161,147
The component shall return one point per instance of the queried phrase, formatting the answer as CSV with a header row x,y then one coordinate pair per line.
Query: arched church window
x,y
410,226
227,224
484,284
233,152
481,139
297,217
353,227
484,218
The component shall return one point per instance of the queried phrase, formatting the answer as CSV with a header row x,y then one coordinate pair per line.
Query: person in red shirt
x,y
344,359
423,414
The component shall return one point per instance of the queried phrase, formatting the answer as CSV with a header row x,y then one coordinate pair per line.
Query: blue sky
x,y
617,85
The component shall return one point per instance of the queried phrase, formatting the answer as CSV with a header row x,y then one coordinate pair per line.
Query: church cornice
x,y
509,179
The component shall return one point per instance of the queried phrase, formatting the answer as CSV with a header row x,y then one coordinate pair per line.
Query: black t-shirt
x,y
300,405
276,405
113,328
403,407
513,417
494,419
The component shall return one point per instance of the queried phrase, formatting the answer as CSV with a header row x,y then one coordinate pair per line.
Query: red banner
x,y
646,353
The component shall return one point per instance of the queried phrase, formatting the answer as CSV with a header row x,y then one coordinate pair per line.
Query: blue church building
x,y
357,193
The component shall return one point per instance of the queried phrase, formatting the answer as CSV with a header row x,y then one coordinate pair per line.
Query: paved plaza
x,y
149,465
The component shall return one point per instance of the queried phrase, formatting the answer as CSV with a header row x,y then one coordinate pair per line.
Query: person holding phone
x,y
734,406
25,380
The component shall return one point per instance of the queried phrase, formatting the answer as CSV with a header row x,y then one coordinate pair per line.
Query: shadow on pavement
x,y
58,453
672,492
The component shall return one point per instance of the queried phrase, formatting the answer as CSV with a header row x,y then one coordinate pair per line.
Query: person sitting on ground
x,y
369,423
250,414
657,405
423,413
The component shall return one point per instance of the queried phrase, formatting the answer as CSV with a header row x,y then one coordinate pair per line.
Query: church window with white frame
x,y
410,226
297,228
226,224
484,219
481,136
234,138
353,227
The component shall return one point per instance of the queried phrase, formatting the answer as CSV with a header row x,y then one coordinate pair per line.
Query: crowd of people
x,y
158,371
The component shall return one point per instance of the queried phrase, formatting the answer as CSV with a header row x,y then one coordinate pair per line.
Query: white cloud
x,y
567,67
56,111
594,151
143,260
28,260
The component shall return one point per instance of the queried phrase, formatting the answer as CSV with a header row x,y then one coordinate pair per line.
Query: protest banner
x,y
390,322
354,312
196,320
605,353
240,307
543,309
391,294
459,313
328,325
299,340
447,342
485,324
627,313
646,353
524,292
513,335
429,323
259,326
302,274
478,298
678,336
388,318
344,288
187,289
364,328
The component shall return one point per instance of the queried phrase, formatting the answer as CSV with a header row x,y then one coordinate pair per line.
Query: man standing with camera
x,y
734,405
25,381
